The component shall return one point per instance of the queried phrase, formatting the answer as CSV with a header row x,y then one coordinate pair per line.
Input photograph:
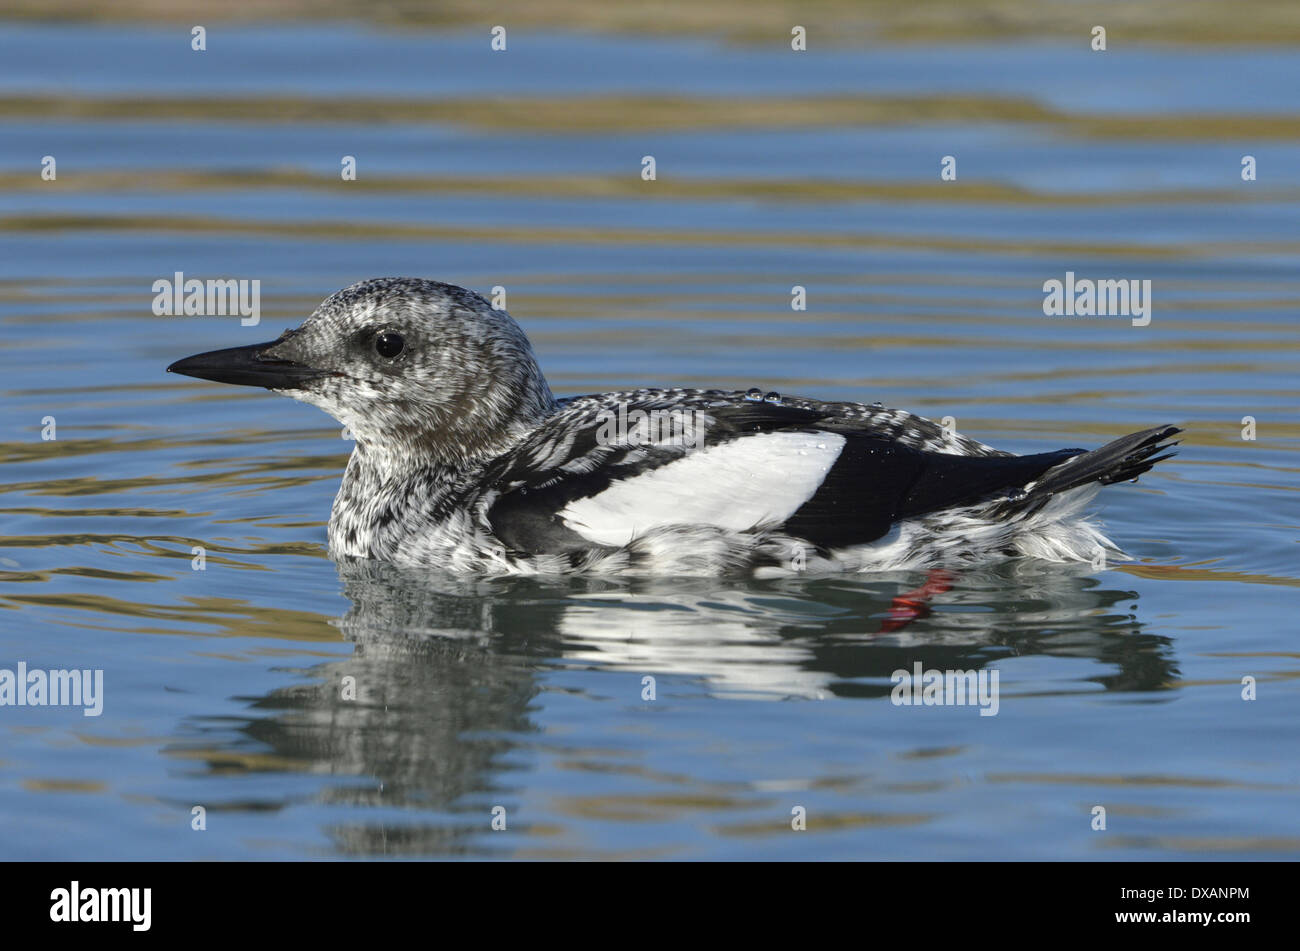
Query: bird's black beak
x,y
247,366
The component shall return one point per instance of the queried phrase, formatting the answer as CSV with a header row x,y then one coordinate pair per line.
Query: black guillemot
x,y
465,460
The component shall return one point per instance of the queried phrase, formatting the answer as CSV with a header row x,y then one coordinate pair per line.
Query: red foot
x,y
910,605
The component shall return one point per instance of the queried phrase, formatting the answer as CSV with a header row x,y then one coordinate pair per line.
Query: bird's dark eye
x,y
389,344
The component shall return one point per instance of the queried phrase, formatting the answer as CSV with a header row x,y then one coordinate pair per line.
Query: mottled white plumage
x,y
465,460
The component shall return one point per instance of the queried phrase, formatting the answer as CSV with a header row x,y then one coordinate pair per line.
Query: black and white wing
x,y
833,474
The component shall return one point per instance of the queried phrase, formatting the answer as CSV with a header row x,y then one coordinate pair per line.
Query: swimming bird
x,y
464,459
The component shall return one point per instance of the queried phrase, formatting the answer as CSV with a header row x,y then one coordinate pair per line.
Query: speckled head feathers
x,y
419,371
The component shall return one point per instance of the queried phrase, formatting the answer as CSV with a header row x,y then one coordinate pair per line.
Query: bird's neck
x,y
395,463
398,488
384,495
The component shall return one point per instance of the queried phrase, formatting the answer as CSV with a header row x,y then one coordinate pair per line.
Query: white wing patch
x,y
738,485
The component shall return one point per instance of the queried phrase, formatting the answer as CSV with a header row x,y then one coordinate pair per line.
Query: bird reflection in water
x,y
448,669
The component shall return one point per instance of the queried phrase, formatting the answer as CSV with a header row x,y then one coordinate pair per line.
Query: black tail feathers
x,y
1123,459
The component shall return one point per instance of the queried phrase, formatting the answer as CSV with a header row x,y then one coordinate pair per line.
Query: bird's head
x,y
418,370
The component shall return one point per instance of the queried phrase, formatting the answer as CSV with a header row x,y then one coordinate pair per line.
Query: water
x,y
1120,688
